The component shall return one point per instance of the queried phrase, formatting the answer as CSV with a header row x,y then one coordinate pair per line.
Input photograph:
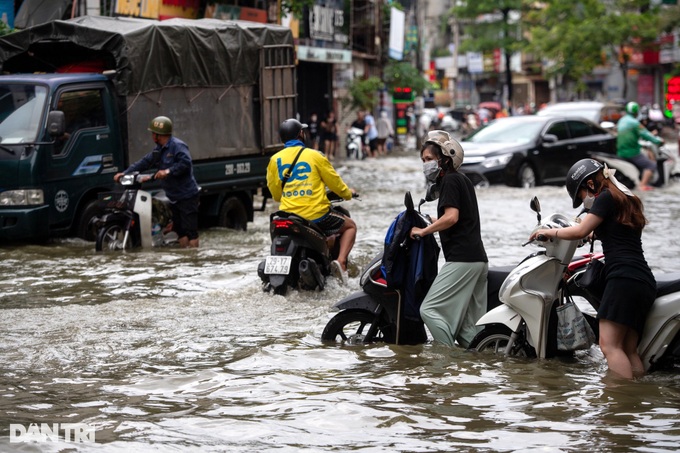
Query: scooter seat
x,y
667,283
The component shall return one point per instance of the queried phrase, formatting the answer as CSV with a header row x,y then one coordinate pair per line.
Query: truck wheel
x,y
83,228
233,214
353,327
110,238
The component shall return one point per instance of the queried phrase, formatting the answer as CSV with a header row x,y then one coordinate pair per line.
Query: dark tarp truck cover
x,y
204,74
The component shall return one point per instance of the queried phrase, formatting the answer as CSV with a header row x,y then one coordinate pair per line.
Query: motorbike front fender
x,y
358,300
119,217
501,315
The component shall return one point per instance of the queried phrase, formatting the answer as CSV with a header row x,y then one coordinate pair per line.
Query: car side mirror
x,y
550,138
56,123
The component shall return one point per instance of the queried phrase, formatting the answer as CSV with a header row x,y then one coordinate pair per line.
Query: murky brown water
x,y
176,350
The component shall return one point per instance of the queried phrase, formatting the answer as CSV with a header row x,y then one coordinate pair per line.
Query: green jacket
x,y
629,131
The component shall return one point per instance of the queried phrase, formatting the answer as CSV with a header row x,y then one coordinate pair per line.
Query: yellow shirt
x,y
305,191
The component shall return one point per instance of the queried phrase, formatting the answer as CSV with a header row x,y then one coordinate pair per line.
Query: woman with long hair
x,y
616,217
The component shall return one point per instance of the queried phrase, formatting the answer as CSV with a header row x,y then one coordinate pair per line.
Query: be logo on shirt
x,y
300,172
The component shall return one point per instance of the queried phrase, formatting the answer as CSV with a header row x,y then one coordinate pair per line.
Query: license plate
x,y
277,265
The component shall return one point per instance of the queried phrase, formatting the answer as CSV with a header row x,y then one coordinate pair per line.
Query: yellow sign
x,y
148,9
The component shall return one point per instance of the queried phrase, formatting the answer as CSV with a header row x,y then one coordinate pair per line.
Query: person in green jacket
x,y
629,132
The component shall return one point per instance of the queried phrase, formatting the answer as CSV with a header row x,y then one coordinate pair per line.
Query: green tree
x,y
295,7
492,24
4,29
362,94
402,74
575,37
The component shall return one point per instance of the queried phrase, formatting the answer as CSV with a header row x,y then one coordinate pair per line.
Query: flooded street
x,y
180,350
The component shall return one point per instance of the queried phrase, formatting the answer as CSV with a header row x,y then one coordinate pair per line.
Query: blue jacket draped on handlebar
x,y
409,265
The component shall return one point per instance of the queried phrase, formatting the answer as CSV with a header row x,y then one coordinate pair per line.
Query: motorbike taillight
x,y
282,223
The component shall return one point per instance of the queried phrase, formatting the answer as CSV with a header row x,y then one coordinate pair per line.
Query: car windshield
x,y
508,130
591,113
21,108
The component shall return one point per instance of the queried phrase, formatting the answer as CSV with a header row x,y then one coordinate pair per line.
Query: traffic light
x,y
403,95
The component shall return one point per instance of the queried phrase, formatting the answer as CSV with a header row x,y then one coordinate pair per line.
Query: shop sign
x,y
325,23
324,55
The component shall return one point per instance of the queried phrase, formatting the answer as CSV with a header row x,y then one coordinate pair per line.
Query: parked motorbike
x,y
133,218
300,255
354,146
525,324
379,312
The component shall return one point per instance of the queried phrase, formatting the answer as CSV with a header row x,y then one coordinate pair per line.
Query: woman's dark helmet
x,y
290,129
578,175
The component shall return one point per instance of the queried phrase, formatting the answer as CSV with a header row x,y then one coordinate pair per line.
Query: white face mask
x,y
431,170
588,200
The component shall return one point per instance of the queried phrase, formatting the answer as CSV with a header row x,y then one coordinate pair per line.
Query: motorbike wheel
x,y
281,290
110,238
354,327
495,339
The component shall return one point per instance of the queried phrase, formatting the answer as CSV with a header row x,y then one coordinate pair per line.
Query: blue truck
x,y
76,98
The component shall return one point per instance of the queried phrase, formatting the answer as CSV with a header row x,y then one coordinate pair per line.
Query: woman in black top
x,y
616,216
457,297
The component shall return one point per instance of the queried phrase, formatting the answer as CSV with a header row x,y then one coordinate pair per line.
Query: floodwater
x,y
180,350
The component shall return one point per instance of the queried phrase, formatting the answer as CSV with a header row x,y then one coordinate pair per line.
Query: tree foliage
x,y
402,74
362,94
4,29
295,7
492,24
575,37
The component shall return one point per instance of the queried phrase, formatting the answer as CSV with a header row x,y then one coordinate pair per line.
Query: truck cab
x,y
59,147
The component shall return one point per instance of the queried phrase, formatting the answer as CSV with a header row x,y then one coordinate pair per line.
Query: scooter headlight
x,y
127,180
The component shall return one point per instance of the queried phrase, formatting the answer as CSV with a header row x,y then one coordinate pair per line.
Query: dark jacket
x,y
180,183
408,265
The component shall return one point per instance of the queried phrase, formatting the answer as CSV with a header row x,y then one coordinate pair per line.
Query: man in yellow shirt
x,y
297,177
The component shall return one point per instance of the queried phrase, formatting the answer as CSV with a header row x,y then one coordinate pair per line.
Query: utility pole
x,y
453,70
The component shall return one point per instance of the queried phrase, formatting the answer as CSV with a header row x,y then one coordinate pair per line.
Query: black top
x,y
313,128
360,124
463,241
622,245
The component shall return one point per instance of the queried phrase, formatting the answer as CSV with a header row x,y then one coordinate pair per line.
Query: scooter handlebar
x,y
539,238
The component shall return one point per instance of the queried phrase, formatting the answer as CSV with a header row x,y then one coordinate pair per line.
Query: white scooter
x,y
133,218
629,174
525,323
354,146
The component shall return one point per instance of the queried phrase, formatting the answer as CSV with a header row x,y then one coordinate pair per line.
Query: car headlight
x,y
22,197
497,161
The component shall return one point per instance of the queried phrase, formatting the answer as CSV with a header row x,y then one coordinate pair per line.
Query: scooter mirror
x,y
422,202
535,206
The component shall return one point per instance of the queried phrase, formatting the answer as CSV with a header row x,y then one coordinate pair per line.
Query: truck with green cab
x,y
76,98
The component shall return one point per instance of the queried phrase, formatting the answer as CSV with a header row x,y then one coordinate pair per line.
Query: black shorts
x,y
331,223
627,301
185,217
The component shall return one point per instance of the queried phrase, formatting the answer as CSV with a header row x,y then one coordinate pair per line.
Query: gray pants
x,y
454,303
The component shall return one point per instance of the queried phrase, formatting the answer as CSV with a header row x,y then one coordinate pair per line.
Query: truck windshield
x,y
21,109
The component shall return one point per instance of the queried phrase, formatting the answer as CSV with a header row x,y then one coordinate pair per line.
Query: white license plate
x,y
277,265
